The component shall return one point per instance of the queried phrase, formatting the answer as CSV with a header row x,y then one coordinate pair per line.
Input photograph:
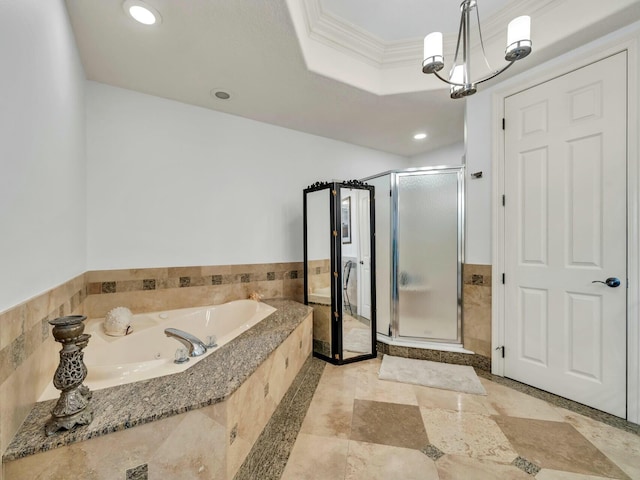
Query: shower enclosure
x,y
419,251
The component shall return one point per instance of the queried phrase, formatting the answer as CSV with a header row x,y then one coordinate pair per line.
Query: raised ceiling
x,y
390,22
301,64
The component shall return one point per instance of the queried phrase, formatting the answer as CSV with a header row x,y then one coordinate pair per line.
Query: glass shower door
x,y
429,255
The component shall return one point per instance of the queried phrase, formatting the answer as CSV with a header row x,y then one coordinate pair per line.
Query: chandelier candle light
x,y
518,47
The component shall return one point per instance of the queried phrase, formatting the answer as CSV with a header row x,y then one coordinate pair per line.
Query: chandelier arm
x,y
484,53
482,80
455,57
447,81
495,74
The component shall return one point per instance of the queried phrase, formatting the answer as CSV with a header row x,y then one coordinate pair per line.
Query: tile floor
x,y
360,427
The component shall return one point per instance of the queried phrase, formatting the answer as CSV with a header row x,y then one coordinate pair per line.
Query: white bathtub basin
x,y
149,353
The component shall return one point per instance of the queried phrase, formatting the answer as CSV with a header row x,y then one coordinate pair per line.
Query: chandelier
x,y
518,47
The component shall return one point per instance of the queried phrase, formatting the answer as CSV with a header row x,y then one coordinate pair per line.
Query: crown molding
x,y
335,32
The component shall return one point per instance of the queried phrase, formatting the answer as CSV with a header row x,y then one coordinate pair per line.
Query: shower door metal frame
x,y
395,292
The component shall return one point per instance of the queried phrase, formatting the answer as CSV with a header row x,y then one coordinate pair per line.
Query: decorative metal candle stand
x,y
73,405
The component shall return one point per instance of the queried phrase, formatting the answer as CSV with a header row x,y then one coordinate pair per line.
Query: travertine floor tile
x,y
377,416
388,424
459,467
329,415
317,458
546,474
450,400
369,387
557,446
503,400
368,461
623,448
467,434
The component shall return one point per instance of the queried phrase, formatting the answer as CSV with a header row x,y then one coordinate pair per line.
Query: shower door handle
x,y
612,282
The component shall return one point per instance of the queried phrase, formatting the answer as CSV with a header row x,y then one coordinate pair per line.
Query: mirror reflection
x,y
355,214
319,268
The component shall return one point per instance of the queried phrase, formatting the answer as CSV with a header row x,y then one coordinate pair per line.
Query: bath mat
x,y
459,378
357,340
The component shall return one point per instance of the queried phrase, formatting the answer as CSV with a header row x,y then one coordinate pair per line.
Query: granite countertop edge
x,y
210,381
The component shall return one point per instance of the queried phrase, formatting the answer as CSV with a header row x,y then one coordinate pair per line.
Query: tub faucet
x,y
195,346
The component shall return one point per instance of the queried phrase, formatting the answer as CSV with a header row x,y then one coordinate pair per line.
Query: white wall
x,y
173,184
42,161
451,155
478,191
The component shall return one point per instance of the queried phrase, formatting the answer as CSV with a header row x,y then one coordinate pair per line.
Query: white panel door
x,y
565,227
364,236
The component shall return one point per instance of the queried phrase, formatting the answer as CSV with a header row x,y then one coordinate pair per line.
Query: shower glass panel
x,y
382,186
428,255
419,253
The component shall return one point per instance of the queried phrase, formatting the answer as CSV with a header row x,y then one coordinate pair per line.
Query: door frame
x,y
591,53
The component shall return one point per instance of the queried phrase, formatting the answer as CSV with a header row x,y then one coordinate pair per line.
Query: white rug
x,y
357,340
459,378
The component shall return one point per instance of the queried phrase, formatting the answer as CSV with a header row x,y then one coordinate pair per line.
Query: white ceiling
x,y
250,48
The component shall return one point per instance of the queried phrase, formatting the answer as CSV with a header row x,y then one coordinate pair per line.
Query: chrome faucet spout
x,y
195,346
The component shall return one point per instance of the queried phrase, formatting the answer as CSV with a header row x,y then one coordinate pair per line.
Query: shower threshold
x,y
424,344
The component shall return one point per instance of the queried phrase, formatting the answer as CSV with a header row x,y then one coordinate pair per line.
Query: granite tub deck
x,y
194,423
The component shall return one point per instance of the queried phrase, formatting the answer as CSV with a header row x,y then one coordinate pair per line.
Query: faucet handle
x,y
181,356
211,341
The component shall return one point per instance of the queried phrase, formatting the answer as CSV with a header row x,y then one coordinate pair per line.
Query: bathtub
x,y
148,353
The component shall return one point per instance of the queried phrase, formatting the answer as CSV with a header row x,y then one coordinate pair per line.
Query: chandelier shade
x,y
518,46
518,38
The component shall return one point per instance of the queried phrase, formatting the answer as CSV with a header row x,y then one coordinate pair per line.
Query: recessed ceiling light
x,y
220,93
420,136
141,12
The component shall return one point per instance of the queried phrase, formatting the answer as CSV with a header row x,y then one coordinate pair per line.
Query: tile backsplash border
x,y
155,289
167,282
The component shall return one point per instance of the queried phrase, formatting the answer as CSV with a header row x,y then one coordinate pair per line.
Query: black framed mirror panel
x,y
339,269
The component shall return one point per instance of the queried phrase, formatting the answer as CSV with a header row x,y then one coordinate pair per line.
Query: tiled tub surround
x,y
197,424
28,353
29,356
319,297
476,297
319,274
153,289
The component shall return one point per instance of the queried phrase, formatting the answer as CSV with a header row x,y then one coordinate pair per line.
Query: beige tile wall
x,y
319,274
476,293
151,289
210,442
28,354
